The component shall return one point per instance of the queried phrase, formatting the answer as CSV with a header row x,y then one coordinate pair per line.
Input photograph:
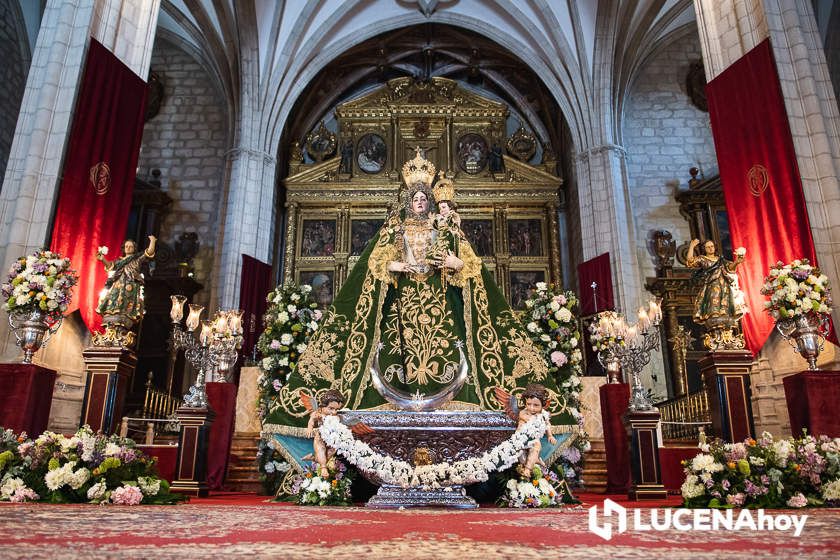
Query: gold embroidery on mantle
x,y
426,322
471,269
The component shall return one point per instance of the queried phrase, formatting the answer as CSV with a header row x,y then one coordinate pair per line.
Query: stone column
x,y
30,188
248,220
728,30
606,223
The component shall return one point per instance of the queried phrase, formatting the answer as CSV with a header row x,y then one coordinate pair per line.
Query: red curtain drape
x,y
595,270
760,177
99,170
254,287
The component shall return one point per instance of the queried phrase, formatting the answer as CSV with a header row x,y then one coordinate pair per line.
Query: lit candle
x,y
236,322
177,311
206,333
194,317
632,334
654,312
221,322
644,321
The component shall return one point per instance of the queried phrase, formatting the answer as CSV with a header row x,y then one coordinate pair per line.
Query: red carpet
x,y
244,525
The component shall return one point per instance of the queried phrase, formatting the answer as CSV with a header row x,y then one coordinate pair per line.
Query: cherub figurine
x,y
535,399
330,403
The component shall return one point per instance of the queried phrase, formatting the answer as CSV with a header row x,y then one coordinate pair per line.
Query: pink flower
x,y
275,345
797,500
558,358
736,500
317,314
127,495
23,495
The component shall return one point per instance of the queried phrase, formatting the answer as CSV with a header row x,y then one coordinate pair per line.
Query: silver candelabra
x,y
213,351
630,346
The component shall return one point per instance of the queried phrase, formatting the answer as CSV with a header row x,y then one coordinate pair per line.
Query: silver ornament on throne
x,y
419,427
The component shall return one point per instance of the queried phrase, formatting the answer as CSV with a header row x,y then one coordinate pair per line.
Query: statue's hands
x,y
310,432
152,238
453,262
694,243
397,266
552,440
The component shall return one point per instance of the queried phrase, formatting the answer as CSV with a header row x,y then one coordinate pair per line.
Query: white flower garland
x,y
400,473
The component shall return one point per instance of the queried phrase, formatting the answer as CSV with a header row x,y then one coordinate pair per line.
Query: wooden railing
x,y
684,418
158,404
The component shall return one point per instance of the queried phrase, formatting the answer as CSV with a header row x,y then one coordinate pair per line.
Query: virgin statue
x,y
418,315
720,302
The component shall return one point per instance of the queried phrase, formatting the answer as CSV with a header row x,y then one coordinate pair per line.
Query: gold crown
x,y
443,189
418,170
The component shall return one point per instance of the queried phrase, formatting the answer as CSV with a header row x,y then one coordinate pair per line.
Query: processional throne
x,y
328,203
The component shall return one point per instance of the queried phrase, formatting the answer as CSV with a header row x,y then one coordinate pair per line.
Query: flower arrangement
x,y
401,473
290,320
311,489
551,321
540,490
86,467
764,474
796,289
40,281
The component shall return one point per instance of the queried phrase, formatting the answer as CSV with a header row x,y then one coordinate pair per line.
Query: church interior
x,y
419,277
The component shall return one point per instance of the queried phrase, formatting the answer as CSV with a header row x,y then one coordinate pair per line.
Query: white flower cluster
x,y
316,485
400,473
831,491
524,493
65,474
796,289
148,485
692,487
14,489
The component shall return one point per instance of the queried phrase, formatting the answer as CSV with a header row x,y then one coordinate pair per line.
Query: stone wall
x,y
665,135
187,142
13,71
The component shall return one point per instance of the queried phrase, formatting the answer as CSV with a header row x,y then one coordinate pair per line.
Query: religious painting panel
x,y
317,238
361,232
480,235
522,286
471,153
322,285
371,153
525,238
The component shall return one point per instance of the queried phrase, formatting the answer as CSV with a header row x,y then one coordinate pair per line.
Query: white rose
x,y
542,286
564,315
286,339
532,327
282,317
301,348
291,308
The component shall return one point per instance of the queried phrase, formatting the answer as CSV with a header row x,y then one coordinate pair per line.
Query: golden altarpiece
x,y
509,208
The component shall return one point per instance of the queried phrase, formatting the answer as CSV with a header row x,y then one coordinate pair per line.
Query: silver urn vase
x,y
806,333
32,328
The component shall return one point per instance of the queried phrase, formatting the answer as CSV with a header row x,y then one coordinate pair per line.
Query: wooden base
x,y
726,377
644,455
191,466
110,370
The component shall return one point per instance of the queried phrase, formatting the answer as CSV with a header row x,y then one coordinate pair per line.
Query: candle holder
x,y
629,346
214,351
